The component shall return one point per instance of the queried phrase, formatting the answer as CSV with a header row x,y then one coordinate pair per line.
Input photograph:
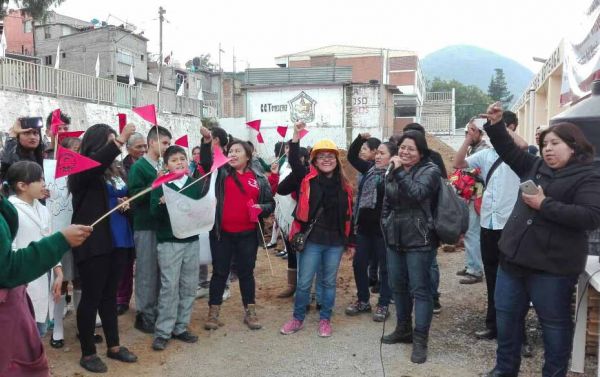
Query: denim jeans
x,y
473,262
551,297
410,278
42,328
366,245
317,257
490,253
434,275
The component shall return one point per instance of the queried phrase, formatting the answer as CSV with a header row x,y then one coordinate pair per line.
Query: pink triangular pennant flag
x,y
254,124
168,178
254,211
282,130
69,162
148,113
219,159
63,135
122,121
182,141
259,138
56,122
302,133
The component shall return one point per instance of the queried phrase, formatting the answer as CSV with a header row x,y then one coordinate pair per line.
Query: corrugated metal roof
x,y
347,50
314,75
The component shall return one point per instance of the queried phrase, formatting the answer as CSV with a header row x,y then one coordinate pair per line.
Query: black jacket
x,y
293,182
409,197
437,159
265,198
552,239
366,220
90,201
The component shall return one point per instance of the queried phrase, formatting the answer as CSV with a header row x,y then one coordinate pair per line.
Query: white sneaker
x,y
201,292
226,294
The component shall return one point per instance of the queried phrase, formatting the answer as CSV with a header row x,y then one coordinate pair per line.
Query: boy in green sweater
x,y
143,172
178,259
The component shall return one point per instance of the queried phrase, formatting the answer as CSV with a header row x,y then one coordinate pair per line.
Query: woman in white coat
x,y
26,183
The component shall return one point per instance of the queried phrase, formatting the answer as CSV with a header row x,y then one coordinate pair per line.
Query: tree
x,y
470,101
498,89
38,9
201,62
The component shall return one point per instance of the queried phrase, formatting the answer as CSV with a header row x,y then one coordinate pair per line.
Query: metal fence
x,y
438,113
39,79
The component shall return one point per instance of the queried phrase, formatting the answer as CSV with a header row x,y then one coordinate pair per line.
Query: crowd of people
x,y
529,247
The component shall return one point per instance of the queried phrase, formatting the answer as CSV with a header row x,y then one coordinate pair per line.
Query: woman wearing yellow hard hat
x,y
321,227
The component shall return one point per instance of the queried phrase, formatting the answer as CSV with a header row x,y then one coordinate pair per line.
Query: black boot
x,y
419,351
402,334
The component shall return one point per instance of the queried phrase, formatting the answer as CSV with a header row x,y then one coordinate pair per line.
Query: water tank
x,y
585,115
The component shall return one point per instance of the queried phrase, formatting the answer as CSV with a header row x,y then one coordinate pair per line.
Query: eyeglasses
x,y
407,149
325,156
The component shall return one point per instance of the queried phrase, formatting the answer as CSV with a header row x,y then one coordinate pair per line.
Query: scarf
x,y
368,188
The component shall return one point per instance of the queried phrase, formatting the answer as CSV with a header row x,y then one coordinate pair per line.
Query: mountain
x,y
472,65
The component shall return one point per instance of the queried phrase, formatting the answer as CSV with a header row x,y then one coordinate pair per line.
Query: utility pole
x,y
220,106
233,85
161,19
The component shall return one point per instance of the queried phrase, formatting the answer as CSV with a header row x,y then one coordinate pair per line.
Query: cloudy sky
x,y
260,30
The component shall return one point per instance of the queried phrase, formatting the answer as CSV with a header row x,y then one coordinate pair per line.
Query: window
x,y
48,60
124,57
27,26
142,57
66,30
64,54
47,34
405,111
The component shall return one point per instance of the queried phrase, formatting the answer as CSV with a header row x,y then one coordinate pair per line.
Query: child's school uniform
x,y
178,261
34,224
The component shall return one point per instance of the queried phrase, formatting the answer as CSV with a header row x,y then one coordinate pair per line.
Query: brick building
x,y
81,43
398,71
18,27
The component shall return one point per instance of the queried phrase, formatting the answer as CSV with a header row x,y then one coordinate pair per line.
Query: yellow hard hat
x,y
323,145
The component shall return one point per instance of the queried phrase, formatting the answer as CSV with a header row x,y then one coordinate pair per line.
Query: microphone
x,y
390,168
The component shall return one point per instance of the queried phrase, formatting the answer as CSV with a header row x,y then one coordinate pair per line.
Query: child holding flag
x,y
178,258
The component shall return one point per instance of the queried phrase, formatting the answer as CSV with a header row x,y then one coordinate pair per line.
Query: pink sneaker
x,y
292,326
324,328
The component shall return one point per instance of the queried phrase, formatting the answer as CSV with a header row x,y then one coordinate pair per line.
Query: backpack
x,y
450,214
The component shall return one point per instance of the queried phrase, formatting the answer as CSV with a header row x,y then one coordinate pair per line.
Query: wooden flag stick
x,y
191,183
265,247
122,204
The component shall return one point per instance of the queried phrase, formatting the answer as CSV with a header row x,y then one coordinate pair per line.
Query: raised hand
x,y
494,113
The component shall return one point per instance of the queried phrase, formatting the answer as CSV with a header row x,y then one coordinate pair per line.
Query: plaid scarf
x,y
368,189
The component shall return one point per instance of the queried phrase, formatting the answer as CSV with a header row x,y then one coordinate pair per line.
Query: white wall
x,y
14,105
274,107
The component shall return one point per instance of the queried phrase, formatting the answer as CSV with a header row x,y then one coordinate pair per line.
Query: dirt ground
x,y
353,350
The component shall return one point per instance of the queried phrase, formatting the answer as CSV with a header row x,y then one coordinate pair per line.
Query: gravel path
x,y
234,351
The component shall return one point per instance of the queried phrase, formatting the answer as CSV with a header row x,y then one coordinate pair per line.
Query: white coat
x,y
34,224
